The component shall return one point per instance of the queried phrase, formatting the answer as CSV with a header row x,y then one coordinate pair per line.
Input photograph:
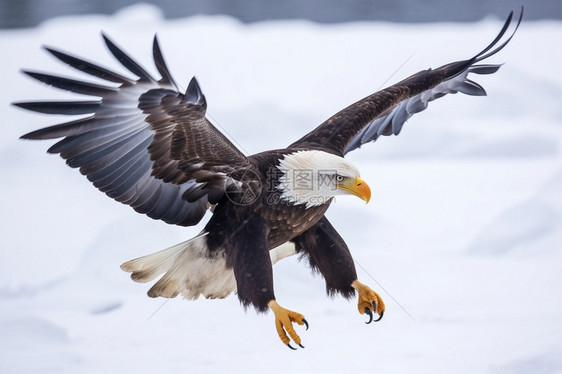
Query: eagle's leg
x,y
327,252
284,319
369,301
249,257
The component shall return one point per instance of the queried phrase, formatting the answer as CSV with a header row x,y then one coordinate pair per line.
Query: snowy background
x,y
463,236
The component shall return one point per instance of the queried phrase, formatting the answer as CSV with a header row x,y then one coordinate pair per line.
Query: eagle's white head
x,y
315,177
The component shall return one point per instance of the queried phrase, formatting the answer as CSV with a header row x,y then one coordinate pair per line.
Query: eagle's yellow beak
x,y
357,187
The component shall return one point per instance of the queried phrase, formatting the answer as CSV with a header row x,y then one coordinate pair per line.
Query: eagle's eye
x,y
339,178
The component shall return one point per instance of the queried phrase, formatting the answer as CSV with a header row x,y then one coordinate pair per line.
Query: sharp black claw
x,y
370,314
290,346
380,316
300,345
305,323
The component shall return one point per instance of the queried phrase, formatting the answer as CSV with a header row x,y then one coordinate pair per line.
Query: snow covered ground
x,y
463,236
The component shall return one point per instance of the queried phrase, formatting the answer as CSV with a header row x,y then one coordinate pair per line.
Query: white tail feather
x,y
189,269
280,252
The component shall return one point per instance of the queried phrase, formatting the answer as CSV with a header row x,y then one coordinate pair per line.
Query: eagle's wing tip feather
x,y
193,93
452,78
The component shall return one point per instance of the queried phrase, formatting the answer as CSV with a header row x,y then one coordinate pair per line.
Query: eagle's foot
x,y
284,319
369,301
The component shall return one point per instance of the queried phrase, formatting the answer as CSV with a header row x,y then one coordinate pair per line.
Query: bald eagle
x,y
146,144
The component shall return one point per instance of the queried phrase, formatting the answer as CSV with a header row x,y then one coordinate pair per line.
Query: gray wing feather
x,y
124,144
384,112
391,123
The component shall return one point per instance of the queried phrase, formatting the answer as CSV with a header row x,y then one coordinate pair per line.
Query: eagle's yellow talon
x,y
284,320
368,301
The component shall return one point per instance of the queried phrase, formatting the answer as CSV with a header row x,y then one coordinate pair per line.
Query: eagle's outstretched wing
x,y
386,111
143,142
